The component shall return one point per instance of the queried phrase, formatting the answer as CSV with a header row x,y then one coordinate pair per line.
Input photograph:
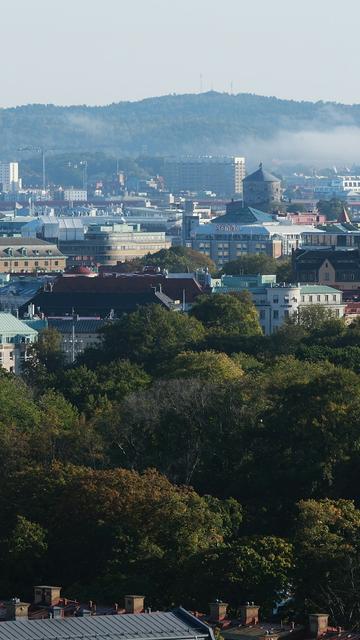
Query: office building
x,y
111,243
9,176
222,175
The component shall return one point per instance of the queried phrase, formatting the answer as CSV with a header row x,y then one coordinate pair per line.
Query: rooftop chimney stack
x,y
134,604
249,613
16,610
47,595
318,623
218,611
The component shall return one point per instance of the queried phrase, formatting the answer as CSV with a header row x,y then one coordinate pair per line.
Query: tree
x,y
45,359
317,318
23,554
227,314
207,365
327,544
149,336
331,208
174,260
251,264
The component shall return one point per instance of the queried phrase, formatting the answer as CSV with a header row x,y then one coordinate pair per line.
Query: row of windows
x,y
25,263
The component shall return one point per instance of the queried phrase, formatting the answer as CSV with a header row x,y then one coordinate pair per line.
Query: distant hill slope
x,y
206,123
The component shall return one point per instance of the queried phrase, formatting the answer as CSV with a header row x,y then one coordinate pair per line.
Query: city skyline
x,y
76,53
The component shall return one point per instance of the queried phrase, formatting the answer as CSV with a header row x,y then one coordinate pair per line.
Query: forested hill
x,y
204,123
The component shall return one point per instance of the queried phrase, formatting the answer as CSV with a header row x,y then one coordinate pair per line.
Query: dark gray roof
x,y
261,176
83,325
174,625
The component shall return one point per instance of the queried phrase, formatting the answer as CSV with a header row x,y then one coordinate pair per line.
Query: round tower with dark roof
x,y
262,190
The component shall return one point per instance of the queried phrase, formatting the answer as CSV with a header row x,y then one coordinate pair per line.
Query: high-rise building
x,y
9,176
222,175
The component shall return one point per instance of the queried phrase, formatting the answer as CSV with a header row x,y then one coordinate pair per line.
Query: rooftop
x,y
176,625
10,324
261,176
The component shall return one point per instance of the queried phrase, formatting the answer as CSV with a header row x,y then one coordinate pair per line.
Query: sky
x,y
103,51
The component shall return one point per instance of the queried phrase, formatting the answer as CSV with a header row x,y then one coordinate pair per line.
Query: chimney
x,y
57,612
249,613
218,611
318,623
16,610
134,604
47,595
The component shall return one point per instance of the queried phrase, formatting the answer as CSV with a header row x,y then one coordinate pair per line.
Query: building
x,y
340,269
110,296
27,255
170,625
222,175
242,231
277,303
111,243
15,338
262,190
340,235
77,334
9,176
75,195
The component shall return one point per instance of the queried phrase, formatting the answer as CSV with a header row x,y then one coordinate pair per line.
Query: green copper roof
x,y
317,288
12,325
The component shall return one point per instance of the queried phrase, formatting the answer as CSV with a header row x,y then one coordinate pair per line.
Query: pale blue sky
x,y
101,51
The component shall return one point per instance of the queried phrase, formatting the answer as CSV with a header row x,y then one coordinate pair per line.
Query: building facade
x,y
108,244
222,175
15,338
340,268
9,176
242,231
28,255
277,303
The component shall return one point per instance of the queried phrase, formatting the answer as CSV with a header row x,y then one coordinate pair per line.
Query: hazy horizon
x,y
70,53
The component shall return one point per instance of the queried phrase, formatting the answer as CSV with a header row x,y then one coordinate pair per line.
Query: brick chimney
x,y
249,613
134,604
318,623
218,611
16,610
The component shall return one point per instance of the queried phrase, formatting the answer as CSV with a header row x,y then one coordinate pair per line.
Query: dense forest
x,y
188,457
206,123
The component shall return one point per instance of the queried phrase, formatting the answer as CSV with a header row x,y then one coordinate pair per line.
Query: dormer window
x,y
9,251
23,251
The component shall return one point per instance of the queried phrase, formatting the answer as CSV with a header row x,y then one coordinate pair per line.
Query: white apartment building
x,y
15,338
9,176
276,303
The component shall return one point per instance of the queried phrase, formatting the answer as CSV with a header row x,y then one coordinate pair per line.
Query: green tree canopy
x,y
207,365
227,314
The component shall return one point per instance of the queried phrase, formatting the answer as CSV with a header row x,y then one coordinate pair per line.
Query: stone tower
x,y
262,190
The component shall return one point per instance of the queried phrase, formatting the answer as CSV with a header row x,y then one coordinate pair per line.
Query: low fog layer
x,y
340,146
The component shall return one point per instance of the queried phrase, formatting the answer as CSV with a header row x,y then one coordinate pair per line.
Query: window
x,y
16,264
36,263
262,314
56,262
327,275
310,298
286,313
6,264
318,298
326,298
275,314
334,298
276,299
